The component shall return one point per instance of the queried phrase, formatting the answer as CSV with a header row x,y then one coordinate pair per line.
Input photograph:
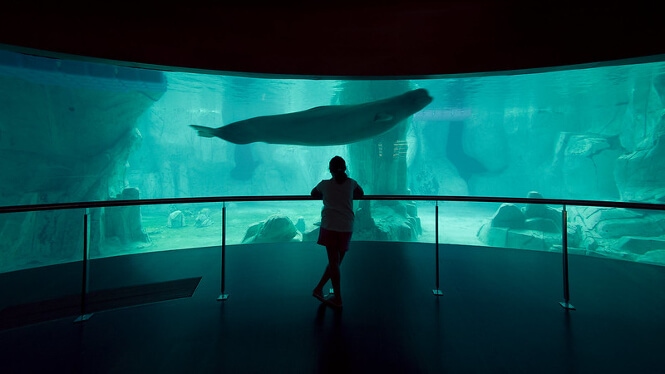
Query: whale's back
x,y
327,125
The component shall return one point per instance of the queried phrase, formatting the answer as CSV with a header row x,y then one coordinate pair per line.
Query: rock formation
x,y
276,228
66,129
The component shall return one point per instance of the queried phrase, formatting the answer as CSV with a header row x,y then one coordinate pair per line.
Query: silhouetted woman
x,y
337,218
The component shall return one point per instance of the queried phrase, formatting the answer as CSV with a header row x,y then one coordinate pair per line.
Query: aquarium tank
x,y
82,130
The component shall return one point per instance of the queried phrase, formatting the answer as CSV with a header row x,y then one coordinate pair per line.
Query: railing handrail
x,y
227,199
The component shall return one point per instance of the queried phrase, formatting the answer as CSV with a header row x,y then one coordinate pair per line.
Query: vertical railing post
x,y
436,291
83,316
564,245
223,295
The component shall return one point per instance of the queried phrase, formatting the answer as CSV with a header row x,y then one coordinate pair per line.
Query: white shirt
x,y
337,213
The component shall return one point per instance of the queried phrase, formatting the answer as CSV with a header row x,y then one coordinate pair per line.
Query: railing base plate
x,y
222,297
566,305
437,292
83,317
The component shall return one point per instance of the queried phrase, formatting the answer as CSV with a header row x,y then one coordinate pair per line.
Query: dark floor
x,y
499,313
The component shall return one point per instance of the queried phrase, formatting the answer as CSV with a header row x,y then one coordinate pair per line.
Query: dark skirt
x,y
334,239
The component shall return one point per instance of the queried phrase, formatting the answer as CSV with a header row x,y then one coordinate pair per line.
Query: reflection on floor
x,y
499,313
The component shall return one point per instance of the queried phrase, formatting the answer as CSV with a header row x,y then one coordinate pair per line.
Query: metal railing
x,y
226,199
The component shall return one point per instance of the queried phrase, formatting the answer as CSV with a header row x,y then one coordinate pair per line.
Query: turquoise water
x,y
73,130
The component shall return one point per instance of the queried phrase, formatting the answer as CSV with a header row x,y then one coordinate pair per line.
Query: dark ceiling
x,y
414,38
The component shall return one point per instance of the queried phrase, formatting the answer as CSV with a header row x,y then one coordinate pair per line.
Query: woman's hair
x,y
337,168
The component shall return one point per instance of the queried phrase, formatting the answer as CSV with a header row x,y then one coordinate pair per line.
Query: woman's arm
x,y
358,192
316,193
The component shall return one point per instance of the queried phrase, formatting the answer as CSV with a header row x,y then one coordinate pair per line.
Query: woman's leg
x,y
326,274
334,261
318,290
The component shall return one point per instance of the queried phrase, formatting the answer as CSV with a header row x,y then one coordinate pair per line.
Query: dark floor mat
x,y
26,314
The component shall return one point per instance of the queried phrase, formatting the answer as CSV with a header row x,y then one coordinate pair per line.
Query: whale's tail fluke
x,y
206,132
231,133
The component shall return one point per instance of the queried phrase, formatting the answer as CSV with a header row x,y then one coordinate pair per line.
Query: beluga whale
x,y
323,125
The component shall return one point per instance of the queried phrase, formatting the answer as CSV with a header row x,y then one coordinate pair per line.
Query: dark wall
x,y
398,38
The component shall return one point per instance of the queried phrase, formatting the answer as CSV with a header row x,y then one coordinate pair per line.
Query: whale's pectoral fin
x,y
382,117
206,132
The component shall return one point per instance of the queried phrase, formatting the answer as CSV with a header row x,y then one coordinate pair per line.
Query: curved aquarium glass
x,y
76,130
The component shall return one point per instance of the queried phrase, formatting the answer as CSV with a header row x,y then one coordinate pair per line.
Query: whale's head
x,y
418,99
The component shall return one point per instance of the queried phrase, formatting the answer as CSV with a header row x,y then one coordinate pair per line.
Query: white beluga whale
x,y
323,125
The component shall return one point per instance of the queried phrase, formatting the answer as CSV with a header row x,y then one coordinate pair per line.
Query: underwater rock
x,y
589,161
639,174
523,239
535,226
617,232
653,257
364,223
203,218
542,211
388,221
277,228
534,210
124,222
589,217
176,219
508,215
300,224
67,132
618,228
614,223
608,232
313,234
640,245
541,224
